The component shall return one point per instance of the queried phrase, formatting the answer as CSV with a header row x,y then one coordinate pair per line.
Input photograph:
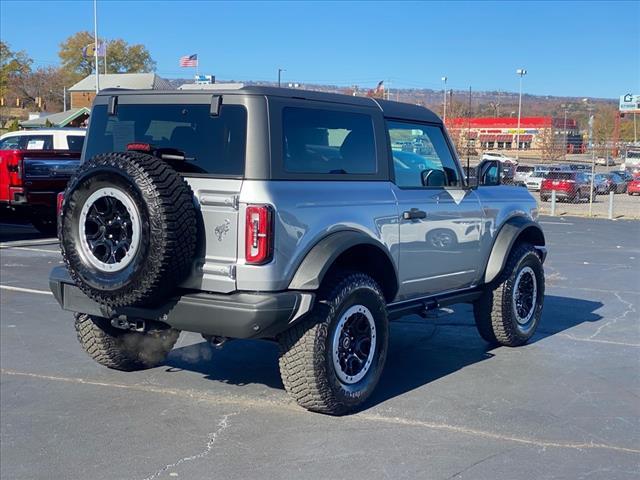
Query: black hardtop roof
x,y
391,109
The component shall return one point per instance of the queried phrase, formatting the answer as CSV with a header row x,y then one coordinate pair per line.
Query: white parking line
x,y
29,243
24,290
555,223
30,249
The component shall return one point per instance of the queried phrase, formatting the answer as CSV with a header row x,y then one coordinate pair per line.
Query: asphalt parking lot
x,y
566,406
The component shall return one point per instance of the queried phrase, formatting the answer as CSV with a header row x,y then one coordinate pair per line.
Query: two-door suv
x,y
308,218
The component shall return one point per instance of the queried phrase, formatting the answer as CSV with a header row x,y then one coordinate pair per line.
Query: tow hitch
x,y
123,323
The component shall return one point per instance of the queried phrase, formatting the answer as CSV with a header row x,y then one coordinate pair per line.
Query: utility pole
x,y
64,99
444,103
95,34
522,72
280,70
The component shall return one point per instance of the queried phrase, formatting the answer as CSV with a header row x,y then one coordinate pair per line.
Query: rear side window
x,y
28,142
211,144
9,143
328,142
74,142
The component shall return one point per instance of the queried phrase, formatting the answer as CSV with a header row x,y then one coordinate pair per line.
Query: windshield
x,y
210,144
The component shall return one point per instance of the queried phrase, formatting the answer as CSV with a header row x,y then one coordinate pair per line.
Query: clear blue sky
x,y
588,49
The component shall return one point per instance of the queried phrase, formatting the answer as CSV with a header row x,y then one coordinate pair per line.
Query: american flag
x,y
189,60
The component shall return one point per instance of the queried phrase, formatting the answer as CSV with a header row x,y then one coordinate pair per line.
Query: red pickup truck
x,y
30,181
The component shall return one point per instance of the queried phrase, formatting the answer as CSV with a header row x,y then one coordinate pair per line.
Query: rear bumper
x,y
560,194
237,315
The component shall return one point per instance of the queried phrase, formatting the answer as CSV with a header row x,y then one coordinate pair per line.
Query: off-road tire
x,y
306,362
494,313
168,229
121,349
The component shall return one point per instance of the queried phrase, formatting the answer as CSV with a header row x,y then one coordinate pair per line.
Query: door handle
x,y
414,214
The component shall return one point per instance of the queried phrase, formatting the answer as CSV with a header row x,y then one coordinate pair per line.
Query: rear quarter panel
x,y
308,211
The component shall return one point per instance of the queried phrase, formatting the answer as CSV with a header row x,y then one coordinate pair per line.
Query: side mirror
x,y
488,173
433,178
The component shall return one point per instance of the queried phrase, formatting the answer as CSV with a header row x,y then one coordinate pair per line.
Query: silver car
x,y
307,218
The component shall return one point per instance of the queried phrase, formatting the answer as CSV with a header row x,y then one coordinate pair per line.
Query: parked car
x,y
569,186
534,181
625,174
603,183
522,173
606,161
284,215
582,167
501,157
633,187
70,139
34,166
621,179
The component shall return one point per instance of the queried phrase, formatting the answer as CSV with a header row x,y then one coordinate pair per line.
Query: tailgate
x,y
217,253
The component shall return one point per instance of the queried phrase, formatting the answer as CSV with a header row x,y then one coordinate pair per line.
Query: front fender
x,y
513,229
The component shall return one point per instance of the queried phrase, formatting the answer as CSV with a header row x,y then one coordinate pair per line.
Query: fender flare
x,y
513,229
320,258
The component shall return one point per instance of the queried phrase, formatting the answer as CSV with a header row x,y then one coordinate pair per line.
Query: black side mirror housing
x,y
433,178
488,173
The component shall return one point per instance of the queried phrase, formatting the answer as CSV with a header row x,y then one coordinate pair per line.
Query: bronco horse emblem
x,y
222,230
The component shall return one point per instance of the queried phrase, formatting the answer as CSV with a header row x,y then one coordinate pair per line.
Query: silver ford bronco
x,y
308,218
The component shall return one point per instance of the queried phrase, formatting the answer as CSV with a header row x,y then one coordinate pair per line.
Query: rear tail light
x,y
59,201
259,234
14,168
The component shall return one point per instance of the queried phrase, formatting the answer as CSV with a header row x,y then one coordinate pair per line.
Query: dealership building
x,y
501,133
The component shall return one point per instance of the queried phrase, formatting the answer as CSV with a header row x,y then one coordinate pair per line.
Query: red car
x,y
633,187
569,186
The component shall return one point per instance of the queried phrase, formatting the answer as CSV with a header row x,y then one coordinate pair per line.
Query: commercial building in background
x,y
501,133
83,92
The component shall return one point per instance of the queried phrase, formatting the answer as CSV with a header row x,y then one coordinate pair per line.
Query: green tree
x,y
121,57
12,64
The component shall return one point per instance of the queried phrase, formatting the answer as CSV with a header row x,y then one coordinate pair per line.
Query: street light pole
x,y
95,33
444,107
521,72
280,70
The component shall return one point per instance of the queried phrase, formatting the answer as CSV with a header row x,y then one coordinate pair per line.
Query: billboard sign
x,y
629,103
204,79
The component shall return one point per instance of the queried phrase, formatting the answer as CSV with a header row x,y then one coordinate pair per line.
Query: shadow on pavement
x,y
15,230
420,351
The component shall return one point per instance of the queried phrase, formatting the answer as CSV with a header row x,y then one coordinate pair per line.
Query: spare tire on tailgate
x,y
128,229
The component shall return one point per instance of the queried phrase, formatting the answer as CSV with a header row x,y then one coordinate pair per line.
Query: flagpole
x,y
95,33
